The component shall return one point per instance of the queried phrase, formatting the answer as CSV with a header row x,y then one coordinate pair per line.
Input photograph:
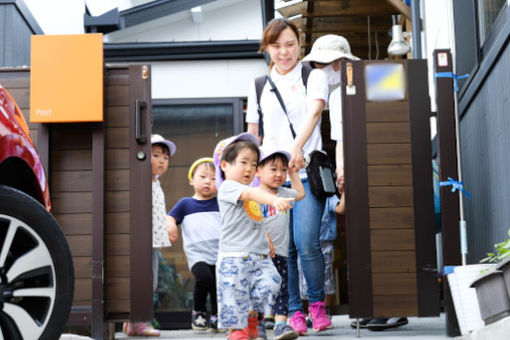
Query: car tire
x,y
36,269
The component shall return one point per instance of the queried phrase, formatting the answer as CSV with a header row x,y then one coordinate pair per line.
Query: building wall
x,y
221,20
204,78
485,141
15,35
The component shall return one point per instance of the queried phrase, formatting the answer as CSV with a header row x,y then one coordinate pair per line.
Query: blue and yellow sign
x,y
385,82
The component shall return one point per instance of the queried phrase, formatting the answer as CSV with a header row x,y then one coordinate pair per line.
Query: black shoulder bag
x,y
319,169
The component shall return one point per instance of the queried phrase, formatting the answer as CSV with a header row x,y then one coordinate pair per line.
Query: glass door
x,y
195,126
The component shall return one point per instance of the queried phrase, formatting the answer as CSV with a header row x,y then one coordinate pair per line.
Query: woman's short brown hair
x,y
273,30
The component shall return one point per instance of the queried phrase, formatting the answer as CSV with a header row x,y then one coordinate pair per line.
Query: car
x,y
36,268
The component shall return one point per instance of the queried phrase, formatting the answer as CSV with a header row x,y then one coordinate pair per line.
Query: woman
x,y
304,105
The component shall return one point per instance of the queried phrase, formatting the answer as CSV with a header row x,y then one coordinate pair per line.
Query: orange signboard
x,y
66,78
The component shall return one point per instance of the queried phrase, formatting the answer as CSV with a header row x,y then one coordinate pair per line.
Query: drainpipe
x,y
416,23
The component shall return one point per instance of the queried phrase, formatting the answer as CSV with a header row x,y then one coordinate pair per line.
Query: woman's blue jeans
x,y
305,222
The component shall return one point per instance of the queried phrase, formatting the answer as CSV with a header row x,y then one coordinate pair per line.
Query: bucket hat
x,y
266,152
158,139
328,48
218,151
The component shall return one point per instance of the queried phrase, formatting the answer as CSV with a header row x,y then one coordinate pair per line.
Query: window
x,y
488,11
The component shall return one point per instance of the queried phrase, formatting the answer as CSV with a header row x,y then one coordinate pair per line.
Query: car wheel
x,y
36,269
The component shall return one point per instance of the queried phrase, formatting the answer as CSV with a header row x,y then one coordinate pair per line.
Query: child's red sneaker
x,y
253,321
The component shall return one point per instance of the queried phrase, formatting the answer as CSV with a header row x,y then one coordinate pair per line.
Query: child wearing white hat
x,y
162,150
272,171
246,277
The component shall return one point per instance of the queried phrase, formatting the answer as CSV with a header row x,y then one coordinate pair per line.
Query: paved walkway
x,y
416,329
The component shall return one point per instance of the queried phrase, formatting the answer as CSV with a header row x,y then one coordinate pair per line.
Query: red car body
x,y
20,164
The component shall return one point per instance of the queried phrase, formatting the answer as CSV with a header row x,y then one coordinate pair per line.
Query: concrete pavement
x,y
416,329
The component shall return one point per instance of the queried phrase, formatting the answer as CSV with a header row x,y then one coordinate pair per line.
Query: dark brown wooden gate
x,y
389,198
100,185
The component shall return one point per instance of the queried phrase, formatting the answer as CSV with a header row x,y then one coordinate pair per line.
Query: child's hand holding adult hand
x,y
282,203
171,229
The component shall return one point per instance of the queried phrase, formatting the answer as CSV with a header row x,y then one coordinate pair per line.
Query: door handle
x,y
139,131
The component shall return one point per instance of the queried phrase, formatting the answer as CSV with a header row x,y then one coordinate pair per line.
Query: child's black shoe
x,y
199,321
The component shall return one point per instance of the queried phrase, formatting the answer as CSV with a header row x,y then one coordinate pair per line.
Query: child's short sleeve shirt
x,y
200,223
277,222
242,229
159,232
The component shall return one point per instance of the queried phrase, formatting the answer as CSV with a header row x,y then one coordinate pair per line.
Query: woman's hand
x,y
297,160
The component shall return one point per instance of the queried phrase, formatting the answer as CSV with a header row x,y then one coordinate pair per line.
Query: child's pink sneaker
x,y
141,329
320,320
298,323
237,334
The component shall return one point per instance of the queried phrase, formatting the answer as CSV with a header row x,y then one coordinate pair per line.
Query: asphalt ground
x,y
418,328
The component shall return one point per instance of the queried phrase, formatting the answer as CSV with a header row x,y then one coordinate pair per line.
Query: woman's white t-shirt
x,y
295,96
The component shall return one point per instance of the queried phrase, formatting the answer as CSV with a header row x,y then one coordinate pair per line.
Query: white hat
x,y
266,152
218,151
329,48
158,139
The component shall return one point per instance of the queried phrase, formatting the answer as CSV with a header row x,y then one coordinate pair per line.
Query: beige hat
x,y
329,48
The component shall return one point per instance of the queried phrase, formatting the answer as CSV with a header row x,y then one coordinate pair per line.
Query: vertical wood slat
x,y
419,114
117,192
447,162
141,202
356,181
97,230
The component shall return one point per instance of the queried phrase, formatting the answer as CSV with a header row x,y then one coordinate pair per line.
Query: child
x,y
272,171
162,150
334,206
200,221
246,278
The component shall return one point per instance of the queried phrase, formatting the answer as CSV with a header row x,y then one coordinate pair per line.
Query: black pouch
x,y
321,176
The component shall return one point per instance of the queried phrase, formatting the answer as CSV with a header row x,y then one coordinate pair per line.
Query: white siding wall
x,y
221,20
205,79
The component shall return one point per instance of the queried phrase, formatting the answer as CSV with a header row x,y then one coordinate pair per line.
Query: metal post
x,y
416,23
462,222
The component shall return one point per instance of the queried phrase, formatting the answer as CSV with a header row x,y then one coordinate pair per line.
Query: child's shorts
x,y
244,284
328,251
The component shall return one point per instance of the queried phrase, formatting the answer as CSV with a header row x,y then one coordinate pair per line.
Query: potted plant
x,y
492,289
464,297
493,299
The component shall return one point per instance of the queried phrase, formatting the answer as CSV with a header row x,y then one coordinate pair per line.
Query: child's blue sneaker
x,y
262,331
284,332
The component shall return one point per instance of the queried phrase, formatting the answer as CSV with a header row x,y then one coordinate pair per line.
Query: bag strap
x,y
280,99
260,82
